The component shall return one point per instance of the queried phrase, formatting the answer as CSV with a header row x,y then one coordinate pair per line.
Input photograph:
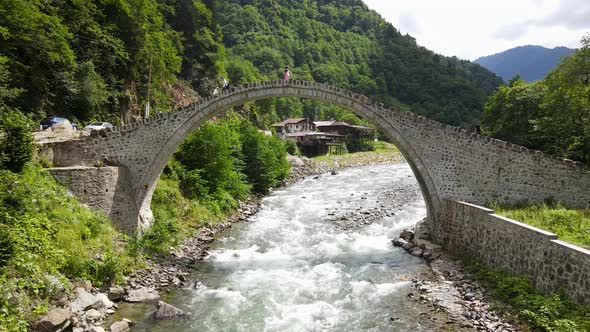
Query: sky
x,y
470,29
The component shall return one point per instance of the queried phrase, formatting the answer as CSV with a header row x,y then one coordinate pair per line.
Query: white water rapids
x,y
290,268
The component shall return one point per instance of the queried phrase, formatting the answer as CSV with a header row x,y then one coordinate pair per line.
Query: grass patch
x,y
570,225
517,300
176,217
381,148
46,238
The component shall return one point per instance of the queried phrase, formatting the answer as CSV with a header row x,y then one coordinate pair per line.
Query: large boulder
x,y
120,326
84,301
56,320
116,293
399,242
144,294
103,301
167,311
407,235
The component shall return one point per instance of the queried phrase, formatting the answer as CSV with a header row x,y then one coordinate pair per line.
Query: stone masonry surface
x,y
500,242
449,163
104,189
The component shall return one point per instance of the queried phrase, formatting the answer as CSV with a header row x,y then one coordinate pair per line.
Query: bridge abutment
x,y
107,190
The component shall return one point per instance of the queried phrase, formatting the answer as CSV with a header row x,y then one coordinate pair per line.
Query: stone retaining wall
x,y
105,189
500,242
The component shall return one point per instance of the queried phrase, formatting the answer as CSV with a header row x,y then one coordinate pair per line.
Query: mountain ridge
x,y
531,62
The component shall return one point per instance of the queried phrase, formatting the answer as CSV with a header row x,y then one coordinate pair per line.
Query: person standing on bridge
x,y
225,84
287,73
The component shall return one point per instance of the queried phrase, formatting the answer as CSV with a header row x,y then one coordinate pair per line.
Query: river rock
x,y
415,251
56,320
120,326
103,301
167,311
407,235
84,301
408,246
144,294
95,329
469,296
93,315
116,293
399,242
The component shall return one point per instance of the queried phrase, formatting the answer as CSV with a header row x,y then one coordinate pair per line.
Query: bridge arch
x,y
448,162
360,105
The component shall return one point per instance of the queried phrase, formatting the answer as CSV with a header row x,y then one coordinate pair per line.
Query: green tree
x,y
512,112
212,156
16,142
264,158
37,44
565,116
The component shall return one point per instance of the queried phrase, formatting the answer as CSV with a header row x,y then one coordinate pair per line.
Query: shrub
x,y
517,296
291,147
16,141
264,158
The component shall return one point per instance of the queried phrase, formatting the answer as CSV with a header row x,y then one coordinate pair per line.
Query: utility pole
x,y
147,104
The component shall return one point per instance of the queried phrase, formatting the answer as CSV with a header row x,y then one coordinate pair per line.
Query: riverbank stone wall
x,y
554,266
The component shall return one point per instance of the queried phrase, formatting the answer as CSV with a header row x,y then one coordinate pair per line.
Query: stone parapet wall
x,y
105,189
499,242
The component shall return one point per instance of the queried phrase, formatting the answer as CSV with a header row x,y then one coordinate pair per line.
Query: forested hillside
x,y
531,62
346,44
102,60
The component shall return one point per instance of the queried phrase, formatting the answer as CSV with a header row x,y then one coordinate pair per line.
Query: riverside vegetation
x,y
516,299
47,238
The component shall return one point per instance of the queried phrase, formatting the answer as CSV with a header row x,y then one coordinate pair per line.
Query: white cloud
x,y
473,28
408,23
512,32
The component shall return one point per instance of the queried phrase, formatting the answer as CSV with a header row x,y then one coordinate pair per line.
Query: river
x,y
317,257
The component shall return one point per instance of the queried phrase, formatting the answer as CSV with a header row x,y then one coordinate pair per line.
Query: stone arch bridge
x,y
449,163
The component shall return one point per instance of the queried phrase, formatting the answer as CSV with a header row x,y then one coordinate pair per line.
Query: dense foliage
x,y
89,59
46,237
16,141
227,160
221,163
552,115
531,62
518,299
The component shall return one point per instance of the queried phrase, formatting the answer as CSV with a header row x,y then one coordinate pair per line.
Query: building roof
x,y
339,124
323,123
289,121
313,133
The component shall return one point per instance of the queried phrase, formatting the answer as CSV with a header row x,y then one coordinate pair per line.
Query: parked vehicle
x,y
98,126
53,120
